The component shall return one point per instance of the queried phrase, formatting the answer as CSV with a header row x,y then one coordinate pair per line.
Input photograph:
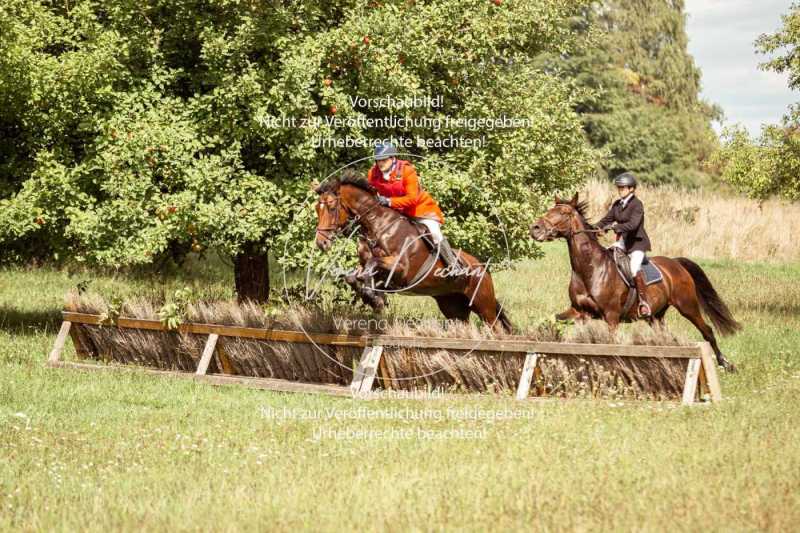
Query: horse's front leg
x,y
364,255
361,283
374,299
394,268
572,314
612,318
354,278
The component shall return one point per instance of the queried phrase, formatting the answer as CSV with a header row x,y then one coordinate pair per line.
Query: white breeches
x,y
435,228
637,256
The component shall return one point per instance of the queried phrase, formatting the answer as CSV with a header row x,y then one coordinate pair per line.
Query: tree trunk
x,y
251,272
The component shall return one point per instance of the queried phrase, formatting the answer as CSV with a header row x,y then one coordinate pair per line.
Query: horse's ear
x,y
314,185
558,200
574,201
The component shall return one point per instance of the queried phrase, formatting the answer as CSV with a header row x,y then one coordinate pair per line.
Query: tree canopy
x,y
641,103
770,164
135,129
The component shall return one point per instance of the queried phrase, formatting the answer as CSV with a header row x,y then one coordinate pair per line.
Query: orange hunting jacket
x,y
404,192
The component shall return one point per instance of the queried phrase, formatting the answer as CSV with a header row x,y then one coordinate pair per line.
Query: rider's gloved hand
x,y
384,201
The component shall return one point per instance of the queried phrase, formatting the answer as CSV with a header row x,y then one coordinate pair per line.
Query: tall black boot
x,y
641,288
447,254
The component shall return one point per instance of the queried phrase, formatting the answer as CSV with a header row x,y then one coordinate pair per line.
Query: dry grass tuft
x,y
704,223
407,368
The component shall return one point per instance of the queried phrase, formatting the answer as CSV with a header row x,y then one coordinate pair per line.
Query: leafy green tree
x,y
142,129
785,42
762,167
770,164
641,89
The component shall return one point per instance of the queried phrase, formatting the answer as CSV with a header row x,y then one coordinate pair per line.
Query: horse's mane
x,y
582,208
348,177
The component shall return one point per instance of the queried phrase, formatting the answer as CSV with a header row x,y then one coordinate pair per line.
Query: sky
x,y
721,36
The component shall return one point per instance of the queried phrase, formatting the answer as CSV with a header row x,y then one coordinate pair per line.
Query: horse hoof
x,y
728,367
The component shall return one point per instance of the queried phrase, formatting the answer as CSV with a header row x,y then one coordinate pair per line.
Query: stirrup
x,y
646,306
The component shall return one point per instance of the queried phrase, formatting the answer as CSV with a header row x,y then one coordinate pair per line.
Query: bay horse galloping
x,y
596,289
394,258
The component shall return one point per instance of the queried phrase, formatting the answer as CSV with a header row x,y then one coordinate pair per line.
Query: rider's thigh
x,y
435,228
637,256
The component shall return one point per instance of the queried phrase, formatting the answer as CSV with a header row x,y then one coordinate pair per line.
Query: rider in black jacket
x,y
626,219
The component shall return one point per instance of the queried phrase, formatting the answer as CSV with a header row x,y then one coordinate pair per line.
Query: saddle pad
x,y
651,272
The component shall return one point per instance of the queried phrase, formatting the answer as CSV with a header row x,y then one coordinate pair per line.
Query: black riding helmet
x,y
626,179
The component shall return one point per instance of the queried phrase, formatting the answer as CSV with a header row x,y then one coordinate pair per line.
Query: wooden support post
x,y
364,376
528,370
702,383
710,370
58,346
538,378
690,385
224,360
208,352
386,379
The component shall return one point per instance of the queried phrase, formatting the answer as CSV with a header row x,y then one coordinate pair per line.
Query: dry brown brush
x,y
402,369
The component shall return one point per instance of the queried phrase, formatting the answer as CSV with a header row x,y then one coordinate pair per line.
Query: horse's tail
x,y
710,301
503,318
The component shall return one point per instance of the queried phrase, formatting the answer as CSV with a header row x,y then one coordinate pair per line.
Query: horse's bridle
x,y
572,232
331,232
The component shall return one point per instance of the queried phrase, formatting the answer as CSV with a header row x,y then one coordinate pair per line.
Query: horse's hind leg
x,y
656,320
691,311
489,312
454,306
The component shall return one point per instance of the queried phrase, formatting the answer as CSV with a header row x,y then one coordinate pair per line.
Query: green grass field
x,y
126,451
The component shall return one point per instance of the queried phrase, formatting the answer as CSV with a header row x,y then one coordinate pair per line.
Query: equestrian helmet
x,y
626,179
385,150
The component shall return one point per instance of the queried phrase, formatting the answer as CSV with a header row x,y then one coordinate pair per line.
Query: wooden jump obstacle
x,y
701,373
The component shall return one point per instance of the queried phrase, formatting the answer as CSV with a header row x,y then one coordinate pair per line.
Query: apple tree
x,y
135,130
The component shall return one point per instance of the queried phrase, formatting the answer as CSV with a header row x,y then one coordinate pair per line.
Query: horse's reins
x,y
338,230
573,232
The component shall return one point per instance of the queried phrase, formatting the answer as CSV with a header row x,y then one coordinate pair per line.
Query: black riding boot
x,y
447,254
641,288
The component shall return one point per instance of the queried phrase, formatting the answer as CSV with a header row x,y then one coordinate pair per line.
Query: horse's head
x,y
340,200
558,221
331,214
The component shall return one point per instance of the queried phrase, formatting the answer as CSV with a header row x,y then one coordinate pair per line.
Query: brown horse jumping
x,y
391,254
597,291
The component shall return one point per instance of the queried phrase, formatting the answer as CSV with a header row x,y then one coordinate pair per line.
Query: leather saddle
x,y
422,229
651,272
623,263
426,237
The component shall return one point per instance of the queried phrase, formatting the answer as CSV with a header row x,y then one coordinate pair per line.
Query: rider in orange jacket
x,y
398,187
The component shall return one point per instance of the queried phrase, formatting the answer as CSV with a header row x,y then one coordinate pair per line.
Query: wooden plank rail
x,y
278,385
522,345
223,331
511,344
701,374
